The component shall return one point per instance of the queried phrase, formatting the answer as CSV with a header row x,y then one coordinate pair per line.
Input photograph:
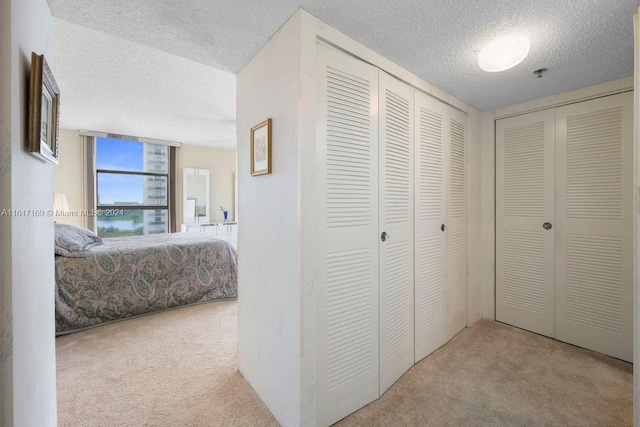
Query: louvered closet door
x,y
594,228
347,282
524,202
456,224
396,219
431,132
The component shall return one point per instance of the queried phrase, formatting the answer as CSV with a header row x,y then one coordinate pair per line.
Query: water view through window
x,y
132,185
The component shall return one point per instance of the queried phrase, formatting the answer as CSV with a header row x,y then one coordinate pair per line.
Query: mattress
x,y
133,276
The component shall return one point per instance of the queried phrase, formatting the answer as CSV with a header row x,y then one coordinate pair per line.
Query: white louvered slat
x,y
457,196
347,236
429,273
348,150
430,154
524,189
594,173
524,277
457,278
399,303
594,281
396,214
398,157
349,313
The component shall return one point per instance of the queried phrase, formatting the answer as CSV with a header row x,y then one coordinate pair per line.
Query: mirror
x,y
196,196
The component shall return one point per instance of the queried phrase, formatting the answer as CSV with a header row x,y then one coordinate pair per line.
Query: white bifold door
x,y
347,310
525,202
396,224
594,218
391,269
564,245
440,223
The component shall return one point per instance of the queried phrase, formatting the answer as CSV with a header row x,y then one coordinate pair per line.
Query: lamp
x,y
60,205
503,53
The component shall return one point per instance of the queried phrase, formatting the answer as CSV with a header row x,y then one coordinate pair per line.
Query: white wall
x,y
6,341
28,390
269,289
488,171
69,177
636,243
221,165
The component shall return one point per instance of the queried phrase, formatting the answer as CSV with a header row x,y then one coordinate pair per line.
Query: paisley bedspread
x,y
131,276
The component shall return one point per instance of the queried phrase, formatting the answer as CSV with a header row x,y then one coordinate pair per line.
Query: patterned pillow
x,y
72,241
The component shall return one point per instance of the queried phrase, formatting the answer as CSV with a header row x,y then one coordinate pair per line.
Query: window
x,y
132,182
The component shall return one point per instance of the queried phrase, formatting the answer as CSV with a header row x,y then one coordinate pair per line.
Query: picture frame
x,y
44,111
261,148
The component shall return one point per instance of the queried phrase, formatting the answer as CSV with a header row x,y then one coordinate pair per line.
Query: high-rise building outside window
x,y
132,180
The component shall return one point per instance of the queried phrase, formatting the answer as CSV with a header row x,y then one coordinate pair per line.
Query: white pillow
x,y
72,241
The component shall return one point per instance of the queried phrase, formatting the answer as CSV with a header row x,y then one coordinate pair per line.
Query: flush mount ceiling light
x,y
503,53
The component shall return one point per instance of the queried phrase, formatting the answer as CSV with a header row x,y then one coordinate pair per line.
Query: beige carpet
x,y
492,374
179,368
176,368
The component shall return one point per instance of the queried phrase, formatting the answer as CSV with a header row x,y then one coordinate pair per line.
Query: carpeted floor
x,y
176,368
179,368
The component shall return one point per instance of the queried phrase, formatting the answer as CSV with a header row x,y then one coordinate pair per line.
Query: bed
x,y
122,277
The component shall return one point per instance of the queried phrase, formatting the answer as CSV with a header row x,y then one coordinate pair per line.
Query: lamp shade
x,y
60,204
503,53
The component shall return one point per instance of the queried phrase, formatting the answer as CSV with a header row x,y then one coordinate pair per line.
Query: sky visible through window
x,y
146,186
117,154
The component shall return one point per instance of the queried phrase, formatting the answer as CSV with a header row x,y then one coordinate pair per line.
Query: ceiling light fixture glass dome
x,y
503,53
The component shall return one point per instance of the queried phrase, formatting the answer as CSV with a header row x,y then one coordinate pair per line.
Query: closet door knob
x,y
547,226
442,227
383,236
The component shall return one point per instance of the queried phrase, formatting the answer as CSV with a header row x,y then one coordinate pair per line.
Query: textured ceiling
x,y
581,42
114,85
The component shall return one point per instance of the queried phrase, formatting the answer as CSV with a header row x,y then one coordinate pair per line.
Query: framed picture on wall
x,y
261,148
44,111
